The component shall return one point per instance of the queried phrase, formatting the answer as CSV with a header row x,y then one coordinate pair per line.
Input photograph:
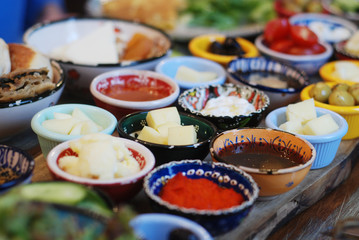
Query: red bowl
x,y
126,91
118,189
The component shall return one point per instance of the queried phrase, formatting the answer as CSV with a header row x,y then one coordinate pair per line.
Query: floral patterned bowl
x,y
215,221
195,99
278,161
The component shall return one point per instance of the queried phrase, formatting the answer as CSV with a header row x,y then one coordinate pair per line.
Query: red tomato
x,y
318,48
276,29
282,45
299,50
303,36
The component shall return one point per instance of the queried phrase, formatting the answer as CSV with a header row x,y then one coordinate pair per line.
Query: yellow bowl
x,y
327,70
349,113
199,46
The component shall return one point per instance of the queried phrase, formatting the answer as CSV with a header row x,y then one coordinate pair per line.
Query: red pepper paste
x,y
201,194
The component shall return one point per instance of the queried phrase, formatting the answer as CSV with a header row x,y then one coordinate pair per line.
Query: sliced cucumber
x,y
54,192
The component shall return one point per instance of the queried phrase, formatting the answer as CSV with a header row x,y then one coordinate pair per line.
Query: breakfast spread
x,y
164,127
188,74
24,72
76,123
99,156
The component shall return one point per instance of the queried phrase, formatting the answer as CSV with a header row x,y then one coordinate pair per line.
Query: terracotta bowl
x,y
273,177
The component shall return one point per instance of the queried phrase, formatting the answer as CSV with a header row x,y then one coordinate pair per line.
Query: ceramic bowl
x,y
310,64
169,67
16,115
16,167
273,176
118,189
336,29
327,70
126,91
215,221
49,139
45,37
241,70
340,52
194,100
147,226
129,125
349,113
199,46
326,146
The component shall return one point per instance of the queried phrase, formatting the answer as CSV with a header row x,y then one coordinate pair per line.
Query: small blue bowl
x,y
326,146
215,221
170,66
241,69
146,226
16,167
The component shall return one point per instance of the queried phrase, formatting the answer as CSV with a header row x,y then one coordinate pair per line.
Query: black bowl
x,y
130,125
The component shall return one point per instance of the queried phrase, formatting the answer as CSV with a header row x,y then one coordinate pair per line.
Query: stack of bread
x,y
24,72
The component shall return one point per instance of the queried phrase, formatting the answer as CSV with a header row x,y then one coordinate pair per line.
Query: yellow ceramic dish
x,y
350,113
198,46
327,70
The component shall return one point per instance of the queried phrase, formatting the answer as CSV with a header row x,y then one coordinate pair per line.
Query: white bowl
x,y
310,64
16,115
169,67
46,37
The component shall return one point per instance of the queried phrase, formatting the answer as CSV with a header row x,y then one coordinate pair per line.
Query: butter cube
x,y
163,129
182,135
151,135
301,111
293,126
190,75
157,117
319,126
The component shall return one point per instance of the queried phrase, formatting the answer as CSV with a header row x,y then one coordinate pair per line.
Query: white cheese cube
x,y
151,135
322,125
62,126
301,111
163,129
293,126
157,117
182,135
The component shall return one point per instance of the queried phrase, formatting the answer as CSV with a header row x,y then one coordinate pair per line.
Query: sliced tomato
x,y
318,48
282,45
303,36
276,29
298,50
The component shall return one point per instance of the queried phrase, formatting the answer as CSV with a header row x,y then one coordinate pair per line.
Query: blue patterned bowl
x,y
242,70
16,167
195,99
215,221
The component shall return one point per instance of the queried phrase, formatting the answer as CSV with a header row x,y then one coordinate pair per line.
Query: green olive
x,y
320,92
353,87
341,98
355,94
341,86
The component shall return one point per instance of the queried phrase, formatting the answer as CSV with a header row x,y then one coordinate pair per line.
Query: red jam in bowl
x,y
134,88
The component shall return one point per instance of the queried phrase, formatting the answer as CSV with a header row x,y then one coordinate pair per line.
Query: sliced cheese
x,y
324,124
157,117
293,126
182,135
151,135
301,111
163,129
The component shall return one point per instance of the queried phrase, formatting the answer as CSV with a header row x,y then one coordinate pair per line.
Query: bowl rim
x,y
338,134
267,171
199,114
135,104
166,146
267,88
176,61
58,86
339,49
246,204
194,42
51,162
24,177
293,58
345,110
38,26
43,132
326,72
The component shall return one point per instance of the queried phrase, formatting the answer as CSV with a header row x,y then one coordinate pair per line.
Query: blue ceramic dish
x,y
215,221
241,70
195,99
326,146
169,67
147,226
16,167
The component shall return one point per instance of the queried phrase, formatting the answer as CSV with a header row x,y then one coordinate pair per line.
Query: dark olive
x,y
320,92
229,47
341,98
341,86
182,234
